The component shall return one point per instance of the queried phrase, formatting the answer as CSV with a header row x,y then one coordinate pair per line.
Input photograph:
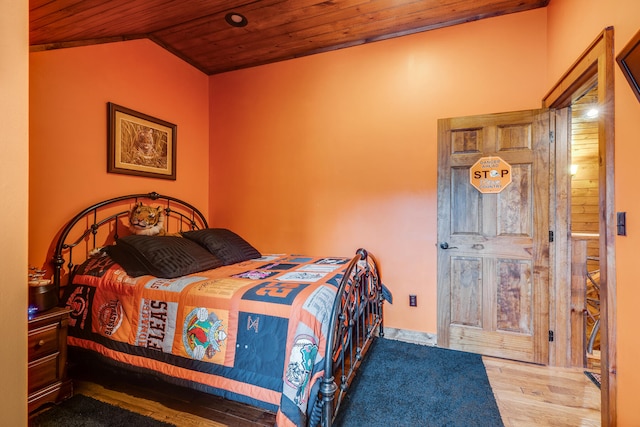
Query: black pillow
x,y
167,257
224,244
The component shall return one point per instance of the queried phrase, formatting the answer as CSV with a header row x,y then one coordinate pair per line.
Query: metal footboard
x,y
356,315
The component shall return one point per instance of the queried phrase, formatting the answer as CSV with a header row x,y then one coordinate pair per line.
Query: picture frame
x,y
141,145
629,61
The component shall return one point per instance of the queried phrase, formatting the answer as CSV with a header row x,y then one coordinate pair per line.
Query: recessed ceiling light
x,y
235,19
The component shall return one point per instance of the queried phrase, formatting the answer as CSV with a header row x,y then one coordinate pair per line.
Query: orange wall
x,y
69,91
328,153
573,25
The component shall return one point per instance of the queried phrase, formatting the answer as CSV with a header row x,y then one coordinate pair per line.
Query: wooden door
x,y
493,248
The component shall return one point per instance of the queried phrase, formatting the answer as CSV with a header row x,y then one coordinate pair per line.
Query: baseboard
x,y
414,337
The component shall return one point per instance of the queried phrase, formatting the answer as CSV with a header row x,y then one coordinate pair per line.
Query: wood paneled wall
x,y
584,184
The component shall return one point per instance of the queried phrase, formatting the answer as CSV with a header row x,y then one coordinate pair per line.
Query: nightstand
x,y
48,382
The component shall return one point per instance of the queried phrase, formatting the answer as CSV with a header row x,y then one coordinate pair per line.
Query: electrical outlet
x,y
413,302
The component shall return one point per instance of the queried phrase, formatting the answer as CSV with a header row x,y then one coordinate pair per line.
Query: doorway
x,y
593,69
596,64
585,229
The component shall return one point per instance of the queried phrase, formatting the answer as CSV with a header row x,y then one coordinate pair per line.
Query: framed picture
x,y
139,144
629,61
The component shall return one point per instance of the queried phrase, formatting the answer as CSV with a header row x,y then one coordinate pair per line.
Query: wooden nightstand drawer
x,y
43,372
43,341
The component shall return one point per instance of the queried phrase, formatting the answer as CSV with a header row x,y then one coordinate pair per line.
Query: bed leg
x,y
380,302
328,389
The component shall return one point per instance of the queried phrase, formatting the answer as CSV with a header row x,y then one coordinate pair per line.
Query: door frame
x,y
596,62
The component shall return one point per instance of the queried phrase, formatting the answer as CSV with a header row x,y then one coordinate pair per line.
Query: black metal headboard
x,y
88,221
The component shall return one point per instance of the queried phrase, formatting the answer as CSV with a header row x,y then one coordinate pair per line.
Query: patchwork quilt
x,y
252,332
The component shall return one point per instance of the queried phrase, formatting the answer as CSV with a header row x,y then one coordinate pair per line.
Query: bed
x,y
201,307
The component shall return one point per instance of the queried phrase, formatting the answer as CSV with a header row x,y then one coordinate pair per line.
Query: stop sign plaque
x,y
490,174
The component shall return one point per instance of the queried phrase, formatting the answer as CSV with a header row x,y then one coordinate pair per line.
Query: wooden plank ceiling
x,y
276,30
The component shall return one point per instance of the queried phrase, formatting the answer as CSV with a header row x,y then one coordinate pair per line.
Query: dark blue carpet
x,y
402,384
